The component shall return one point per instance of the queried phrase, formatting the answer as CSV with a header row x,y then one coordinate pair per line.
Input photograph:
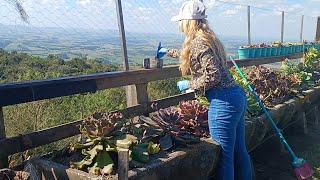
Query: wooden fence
x,y
136,91
17,93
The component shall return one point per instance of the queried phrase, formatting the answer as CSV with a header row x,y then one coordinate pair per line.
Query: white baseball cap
x,y
194,9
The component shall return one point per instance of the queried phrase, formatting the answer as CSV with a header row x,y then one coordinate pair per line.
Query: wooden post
x,y
3,162
138,94
123,163
304,123
134,94
282,27
318,30
316,115
301,30
249,26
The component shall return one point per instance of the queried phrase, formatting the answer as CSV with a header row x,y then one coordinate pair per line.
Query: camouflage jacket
x,y
206,68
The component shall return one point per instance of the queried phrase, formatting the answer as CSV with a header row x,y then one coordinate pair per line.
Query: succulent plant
x,y
105,134
190,118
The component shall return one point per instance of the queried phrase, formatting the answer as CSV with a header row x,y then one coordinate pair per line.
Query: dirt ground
x,y
271,162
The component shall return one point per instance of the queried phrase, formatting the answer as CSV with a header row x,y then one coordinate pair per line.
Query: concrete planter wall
x,y
194,162
197,161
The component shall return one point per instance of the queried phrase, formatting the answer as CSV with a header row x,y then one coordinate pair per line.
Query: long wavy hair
x,y
198,28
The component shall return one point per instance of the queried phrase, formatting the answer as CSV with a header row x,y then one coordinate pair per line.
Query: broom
x,y
301,168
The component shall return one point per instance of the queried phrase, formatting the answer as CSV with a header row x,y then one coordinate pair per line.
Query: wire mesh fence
x,y
74,37
88,28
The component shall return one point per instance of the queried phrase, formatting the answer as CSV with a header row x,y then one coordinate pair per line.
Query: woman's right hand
x,y
174,53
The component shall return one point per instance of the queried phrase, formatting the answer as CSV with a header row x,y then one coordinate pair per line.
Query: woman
x,y
203,56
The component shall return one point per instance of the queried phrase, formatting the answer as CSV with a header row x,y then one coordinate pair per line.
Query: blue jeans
x,y
226,124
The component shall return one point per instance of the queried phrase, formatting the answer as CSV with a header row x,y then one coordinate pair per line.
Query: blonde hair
x,y
193,29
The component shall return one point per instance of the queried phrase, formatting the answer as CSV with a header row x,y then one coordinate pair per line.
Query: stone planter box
x,y
196,161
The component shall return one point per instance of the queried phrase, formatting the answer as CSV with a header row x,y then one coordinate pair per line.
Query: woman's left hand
x,y
183,85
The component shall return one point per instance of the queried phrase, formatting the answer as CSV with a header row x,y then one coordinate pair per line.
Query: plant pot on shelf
x,y
263,52
156,63
257,53
295,49
282,51
244,53
269,54
252,52
290,50
286,50
274,51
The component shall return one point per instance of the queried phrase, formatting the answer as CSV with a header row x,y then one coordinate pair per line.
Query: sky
x,y
153,16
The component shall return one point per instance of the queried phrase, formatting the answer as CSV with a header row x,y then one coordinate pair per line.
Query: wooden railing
x,y
17,93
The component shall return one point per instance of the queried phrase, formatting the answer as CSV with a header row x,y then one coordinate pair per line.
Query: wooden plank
x,y
282,26
123,163
318,30
17,93
301,29
249,26
35,139
3,160
138,94
260,61
316,115
303,122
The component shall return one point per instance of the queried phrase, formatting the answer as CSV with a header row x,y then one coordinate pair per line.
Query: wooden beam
x,y
318,30
123,163
282,26
261,61
17,93
316,115
249,26
301,29
35,139
4,159
138,95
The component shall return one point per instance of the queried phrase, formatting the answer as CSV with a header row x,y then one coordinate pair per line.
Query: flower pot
x,y
274,51
257,52
243,53
263,52
296,48
282,51
269,49
251,53
290,50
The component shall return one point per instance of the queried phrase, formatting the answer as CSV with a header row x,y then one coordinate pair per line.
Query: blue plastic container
x,y
296,49
263,52
301,48
274,51
243,53
257,53
282,51
251,53
279,50
269,49
290,50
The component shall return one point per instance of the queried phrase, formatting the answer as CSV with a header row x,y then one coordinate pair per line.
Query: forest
x,y
29,117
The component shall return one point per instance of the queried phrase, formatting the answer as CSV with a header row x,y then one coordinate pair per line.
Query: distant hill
x,y
92,44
